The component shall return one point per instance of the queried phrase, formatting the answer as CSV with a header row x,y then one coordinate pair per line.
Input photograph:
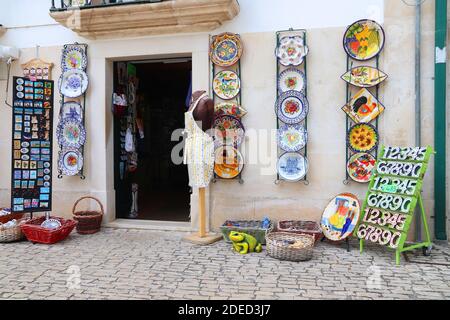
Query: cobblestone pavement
x,y
137,264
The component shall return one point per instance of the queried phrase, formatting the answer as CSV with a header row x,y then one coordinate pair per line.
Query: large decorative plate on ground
x,y
228,162
364,76
226,84
291,79
292,138
70,161
363,107
71,110
362,137
74,58
71,133
292,107
340,217
229,108
364,39
73,83
226,49
291,51
360,166
228,130
292,166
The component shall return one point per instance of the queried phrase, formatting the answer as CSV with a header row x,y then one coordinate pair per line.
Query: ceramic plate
x,y
71,133
359,167
362,137
51,224
364,76
340,217
363,107
226,84
364,40
228,162
229,108
74,58
291,79
70,161
291,51
71,110
73,83
292,138
292,166
292,107
228,130
226,49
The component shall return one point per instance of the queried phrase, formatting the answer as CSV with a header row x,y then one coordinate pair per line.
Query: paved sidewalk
x,y
137,264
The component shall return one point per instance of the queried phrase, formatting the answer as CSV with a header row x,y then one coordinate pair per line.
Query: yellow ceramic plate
x,y
228,162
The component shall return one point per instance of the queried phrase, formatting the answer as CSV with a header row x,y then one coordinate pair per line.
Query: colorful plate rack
x,y
233,64
68,63
298,65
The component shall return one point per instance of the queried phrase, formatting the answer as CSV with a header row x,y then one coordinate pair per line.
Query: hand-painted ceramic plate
x,y
74,58
364,40
70,162
228,130
362,137
71,133
292,166
291,79
363,107
360,166
292,138
226,84
292,107
229,108
226,49
291,51
51,224
71,110
73,83
364,76
228,162
340,217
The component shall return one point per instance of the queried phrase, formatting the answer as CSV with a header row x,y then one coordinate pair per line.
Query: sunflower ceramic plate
x,y
226,49
291,79
70,161
73,83
362,137
360,166
363,107
364,40
226,84
228,130
71,133
292,107
292,138
228,162
74,58
291,51
292,166
71,110
364,76
229,108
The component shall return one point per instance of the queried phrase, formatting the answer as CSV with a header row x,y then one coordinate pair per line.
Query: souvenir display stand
x,y
291,107
362,41
71,130
393,194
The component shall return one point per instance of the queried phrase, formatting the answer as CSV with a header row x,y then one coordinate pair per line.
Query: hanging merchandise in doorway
x,y
71,132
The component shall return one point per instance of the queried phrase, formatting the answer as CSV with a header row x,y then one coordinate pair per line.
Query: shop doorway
x,y
162,90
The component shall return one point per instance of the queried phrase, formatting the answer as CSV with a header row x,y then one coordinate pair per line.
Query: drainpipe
x,y
440,84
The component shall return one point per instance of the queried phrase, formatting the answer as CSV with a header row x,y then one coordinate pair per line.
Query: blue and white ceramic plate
x,y
71,133
70,161
292,107
292,166
73,83
292,138
71,110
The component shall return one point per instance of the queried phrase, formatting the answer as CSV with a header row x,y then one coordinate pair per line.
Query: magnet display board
x,y
32,132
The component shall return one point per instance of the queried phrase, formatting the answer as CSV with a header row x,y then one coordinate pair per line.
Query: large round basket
x,y
89,222
290,246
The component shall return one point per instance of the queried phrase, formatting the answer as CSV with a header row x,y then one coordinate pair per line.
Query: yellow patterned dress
x,y
198,151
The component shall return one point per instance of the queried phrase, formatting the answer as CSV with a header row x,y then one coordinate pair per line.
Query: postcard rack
x,y
302,68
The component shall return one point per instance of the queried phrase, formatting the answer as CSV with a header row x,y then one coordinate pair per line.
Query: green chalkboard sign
x,y
394,191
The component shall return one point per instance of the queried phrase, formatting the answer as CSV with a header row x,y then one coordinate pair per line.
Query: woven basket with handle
x,y
89,222
283,246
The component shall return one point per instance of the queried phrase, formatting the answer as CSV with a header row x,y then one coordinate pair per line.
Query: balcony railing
x,y
61,5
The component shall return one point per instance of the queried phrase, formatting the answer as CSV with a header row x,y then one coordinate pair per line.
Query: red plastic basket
x,y
35,233
301,227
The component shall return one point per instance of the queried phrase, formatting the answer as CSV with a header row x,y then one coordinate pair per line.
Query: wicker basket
x,y
301,227
279,246
89,222
9,217
12,234
37,234
252,228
